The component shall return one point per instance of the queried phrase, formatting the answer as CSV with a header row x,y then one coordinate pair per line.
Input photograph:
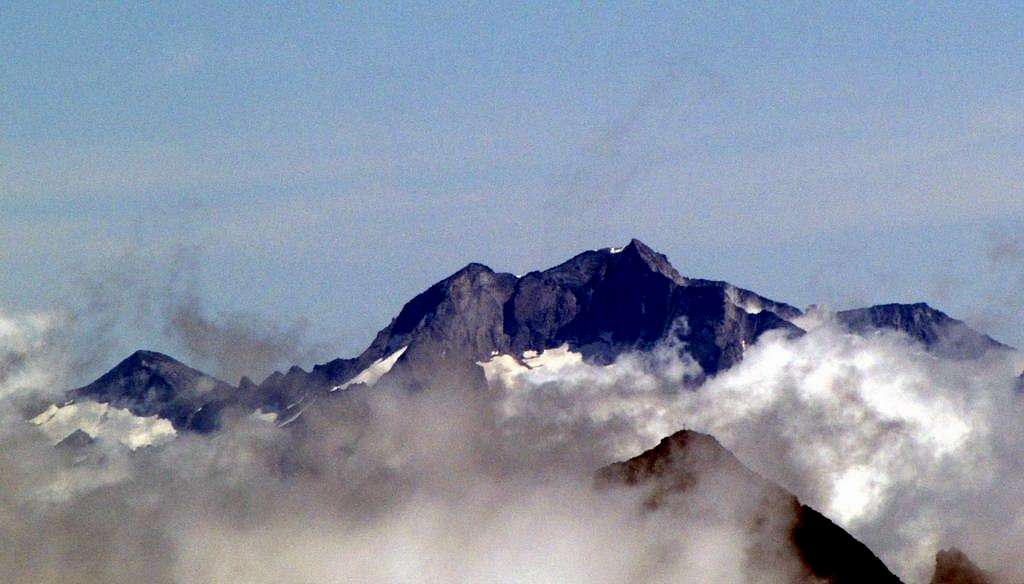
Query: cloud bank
x,y
373,486
909,452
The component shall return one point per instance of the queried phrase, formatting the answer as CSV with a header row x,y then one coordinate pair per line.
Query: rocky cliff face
x,y
600,303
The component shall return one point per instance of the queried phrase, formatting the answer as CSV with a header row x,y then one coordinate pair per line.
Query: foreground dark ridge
x,y
681,461
601,303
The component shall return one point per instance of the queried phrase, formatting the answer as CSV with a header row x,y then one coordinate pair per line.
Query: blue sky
x,y
328,161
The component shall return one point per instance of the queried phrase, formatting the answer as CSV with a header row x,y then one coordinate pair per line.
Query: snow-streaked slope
x,y
262,416
374,372
100,420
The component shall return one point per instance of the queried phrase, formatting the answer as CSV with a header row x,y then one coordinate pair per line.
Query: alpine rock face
x,y
599,303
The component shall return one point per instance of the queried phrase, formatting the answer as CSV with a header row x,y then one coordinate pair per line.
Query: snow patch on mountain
x,y
262,416
372,374
103,421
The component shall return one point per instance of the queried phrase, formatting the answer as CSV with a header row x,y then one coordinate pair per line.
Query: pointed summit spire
x,y
653,260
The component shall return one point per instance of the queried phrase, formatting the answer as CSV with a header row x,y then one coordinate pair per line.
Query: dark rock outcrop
x,y
75,440
604,302
952,566
679,462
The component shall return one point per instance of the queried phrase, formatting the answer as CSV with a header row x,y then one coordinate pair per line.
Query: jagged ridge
x,y
600,303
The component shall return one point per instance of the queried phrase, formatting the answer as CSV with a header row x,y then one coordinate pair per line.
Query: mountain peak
x,y
656,262
151,362
599,303
952,566
673,458
683,460
145,356
639,246
471,269
150,383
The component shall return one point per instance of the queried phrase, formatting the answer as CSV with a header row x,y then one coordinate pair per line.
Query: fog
x,y
909,452
380,485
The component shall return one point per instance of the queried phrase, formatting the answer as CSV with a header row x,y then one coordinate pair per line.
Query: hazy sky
x,y
328,161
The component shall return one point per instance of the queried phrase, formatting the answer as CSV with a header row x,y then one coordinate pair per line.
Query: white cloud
x,y
886,439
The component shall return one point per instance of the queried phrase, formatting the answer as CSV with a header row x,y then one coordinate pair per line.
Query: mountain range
x,y
600,304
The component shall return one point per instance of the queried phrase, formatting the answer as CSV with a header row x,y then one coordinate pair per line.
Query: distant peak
x,y
685,436
907,306
637,244
145,353
952,566
473,268
142,356
913,312
153,363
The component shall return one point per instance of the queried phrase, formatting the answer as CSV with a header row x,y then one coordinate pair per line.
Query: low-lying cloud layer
x,y
373,486
909,452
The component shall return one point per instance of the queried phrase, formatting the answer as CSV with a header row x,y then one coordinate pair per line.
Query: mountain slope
x,y
148,383
600,304
937,331
681,461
